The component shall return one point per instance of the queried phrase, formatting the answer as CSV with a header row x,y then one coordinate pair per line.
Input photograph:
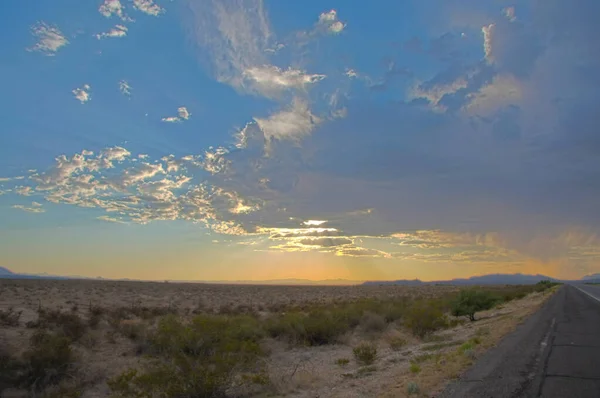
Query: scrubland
x,y
139,339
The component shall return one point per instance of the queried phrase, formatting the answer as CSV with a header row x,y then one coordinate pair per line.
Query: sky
x,y
254,140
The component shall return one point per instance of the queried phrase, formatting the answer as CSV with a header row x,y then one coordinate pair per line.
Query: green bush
x,y
373,323
10,317
365,353
199,359
412,388
424,317
9,368
471,301
396,343
71,325
48,360
545,285
318,327
414,368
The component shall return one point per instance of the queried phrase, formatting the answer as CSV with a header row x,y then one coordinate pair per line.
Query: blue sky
x,y
234,139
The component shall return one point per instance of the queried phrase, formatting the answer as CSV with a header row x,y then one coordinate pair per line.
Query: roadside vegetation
x,y
207,353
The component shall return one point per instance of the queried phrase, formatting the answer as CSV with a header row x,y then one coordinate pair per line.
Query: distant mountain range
x,y
491,279
5,273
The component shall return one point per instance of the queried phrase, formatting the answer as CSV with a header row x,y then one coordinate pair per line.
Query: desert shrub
x,y
372,322
424,317
545,285
199,359
412,388
365,353
132,330
396,343
414,368
471,301
71,325
394,310
318,327
439,346
48,360
152,312
468,347
10,317
342,361
9,368
94,320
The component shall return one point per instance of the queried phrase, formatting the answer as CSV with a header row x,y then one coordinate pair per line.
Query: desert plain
x,y
92,338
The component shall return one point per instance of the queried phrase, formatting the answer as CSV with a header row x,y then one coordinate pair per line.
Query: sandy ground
x,y
300,372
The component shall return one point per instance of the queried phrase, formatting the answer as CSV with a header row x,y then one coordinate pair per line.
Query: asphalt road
x,y
555,353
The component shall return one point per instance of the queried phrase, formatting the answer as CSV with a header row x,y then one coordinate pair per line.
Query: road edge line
x,y
589,294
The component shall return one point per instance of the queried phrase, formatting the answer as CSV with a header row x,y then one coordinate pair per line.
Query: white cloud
x,y
124,88
148,7
141,173
292,124
117,31
111,219
488,34
24,191
82,94
115,153
502,91
434,93
509,12
35,208
50,39
113,7
182,114
314,222
271,80
329,22
232,36
351,73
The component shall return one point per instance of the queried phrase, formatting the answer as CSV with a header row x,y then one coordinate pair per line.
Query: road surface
x,y
554,354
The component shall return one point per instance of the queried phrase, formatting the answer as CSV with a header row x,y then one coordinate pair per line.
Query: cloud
x,y
292,123
272,81
125,88
329,22
502,91
117,31
148,7
488,33
509,12
233,36
24,191
488,157
50,39
34,208
83,94
182,114
111,219
351,73
434,92
113,7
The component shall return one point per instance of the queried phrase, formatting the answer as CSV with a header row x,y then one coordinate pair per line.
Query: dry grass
x,y
450,361
293,341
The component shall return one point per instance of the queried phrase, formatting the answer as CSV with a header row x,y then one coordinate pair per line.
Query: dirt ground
x,y
294,371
